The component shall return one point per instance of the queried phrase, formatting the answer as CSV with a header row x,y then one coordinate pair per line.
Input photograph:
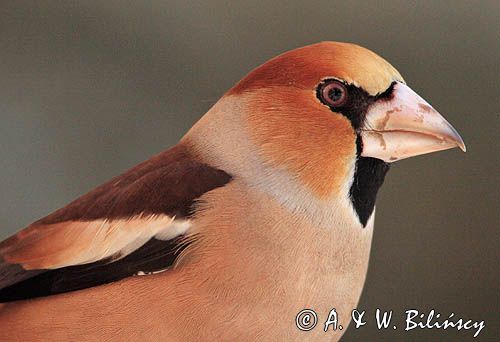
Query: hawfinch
x,y
264,208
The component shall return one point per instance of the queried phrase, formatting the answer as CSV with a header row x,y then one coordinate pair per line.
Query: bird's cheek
x,y
295,132
405,126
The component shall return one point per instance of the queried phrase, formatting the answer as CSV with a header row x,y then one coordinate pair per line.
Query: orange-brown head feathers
x,y
305,67
292,128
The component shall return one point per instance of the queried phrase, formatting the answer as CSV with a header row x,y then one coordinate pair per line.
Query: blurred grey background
x,y
90,88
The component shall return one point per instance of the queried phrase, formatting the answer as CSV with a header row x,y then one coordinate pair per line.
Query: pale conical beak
x,y
405,126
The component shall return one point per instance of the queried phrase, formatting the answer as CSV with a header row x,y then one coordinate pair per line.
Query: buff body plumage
x,y
264,208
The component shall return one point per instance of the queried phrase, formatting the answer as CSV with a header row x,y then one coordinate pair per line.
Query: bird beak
x,y
405,125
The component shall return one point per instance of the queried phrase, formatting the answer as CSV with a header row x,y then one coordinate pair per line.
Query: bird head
x,y
326,113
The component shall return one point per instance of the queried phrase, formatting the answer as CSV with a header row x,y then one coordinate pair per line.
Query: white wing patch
x,y
141,273
78,242
176,228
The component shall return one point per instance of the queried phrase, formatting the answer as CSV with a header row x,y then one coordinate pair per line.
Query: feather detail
x,y
134,223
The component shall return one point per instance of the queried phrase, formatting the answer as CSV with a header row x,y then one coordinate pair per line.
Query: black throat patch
x,y
369,176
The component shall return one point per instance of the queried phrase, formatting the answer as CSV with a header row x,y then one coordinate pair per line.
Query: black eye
x,y
333,93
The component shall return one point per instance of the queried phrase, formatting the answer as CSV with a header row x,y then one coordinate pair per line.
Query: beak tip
x,y
460,143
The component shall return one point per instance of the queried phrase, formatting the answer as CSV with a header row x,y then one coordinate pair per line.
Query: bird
x,y
264,208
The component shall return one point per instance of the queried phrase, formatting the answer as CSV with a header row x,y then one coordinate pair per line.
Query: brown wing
x,y
133,223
